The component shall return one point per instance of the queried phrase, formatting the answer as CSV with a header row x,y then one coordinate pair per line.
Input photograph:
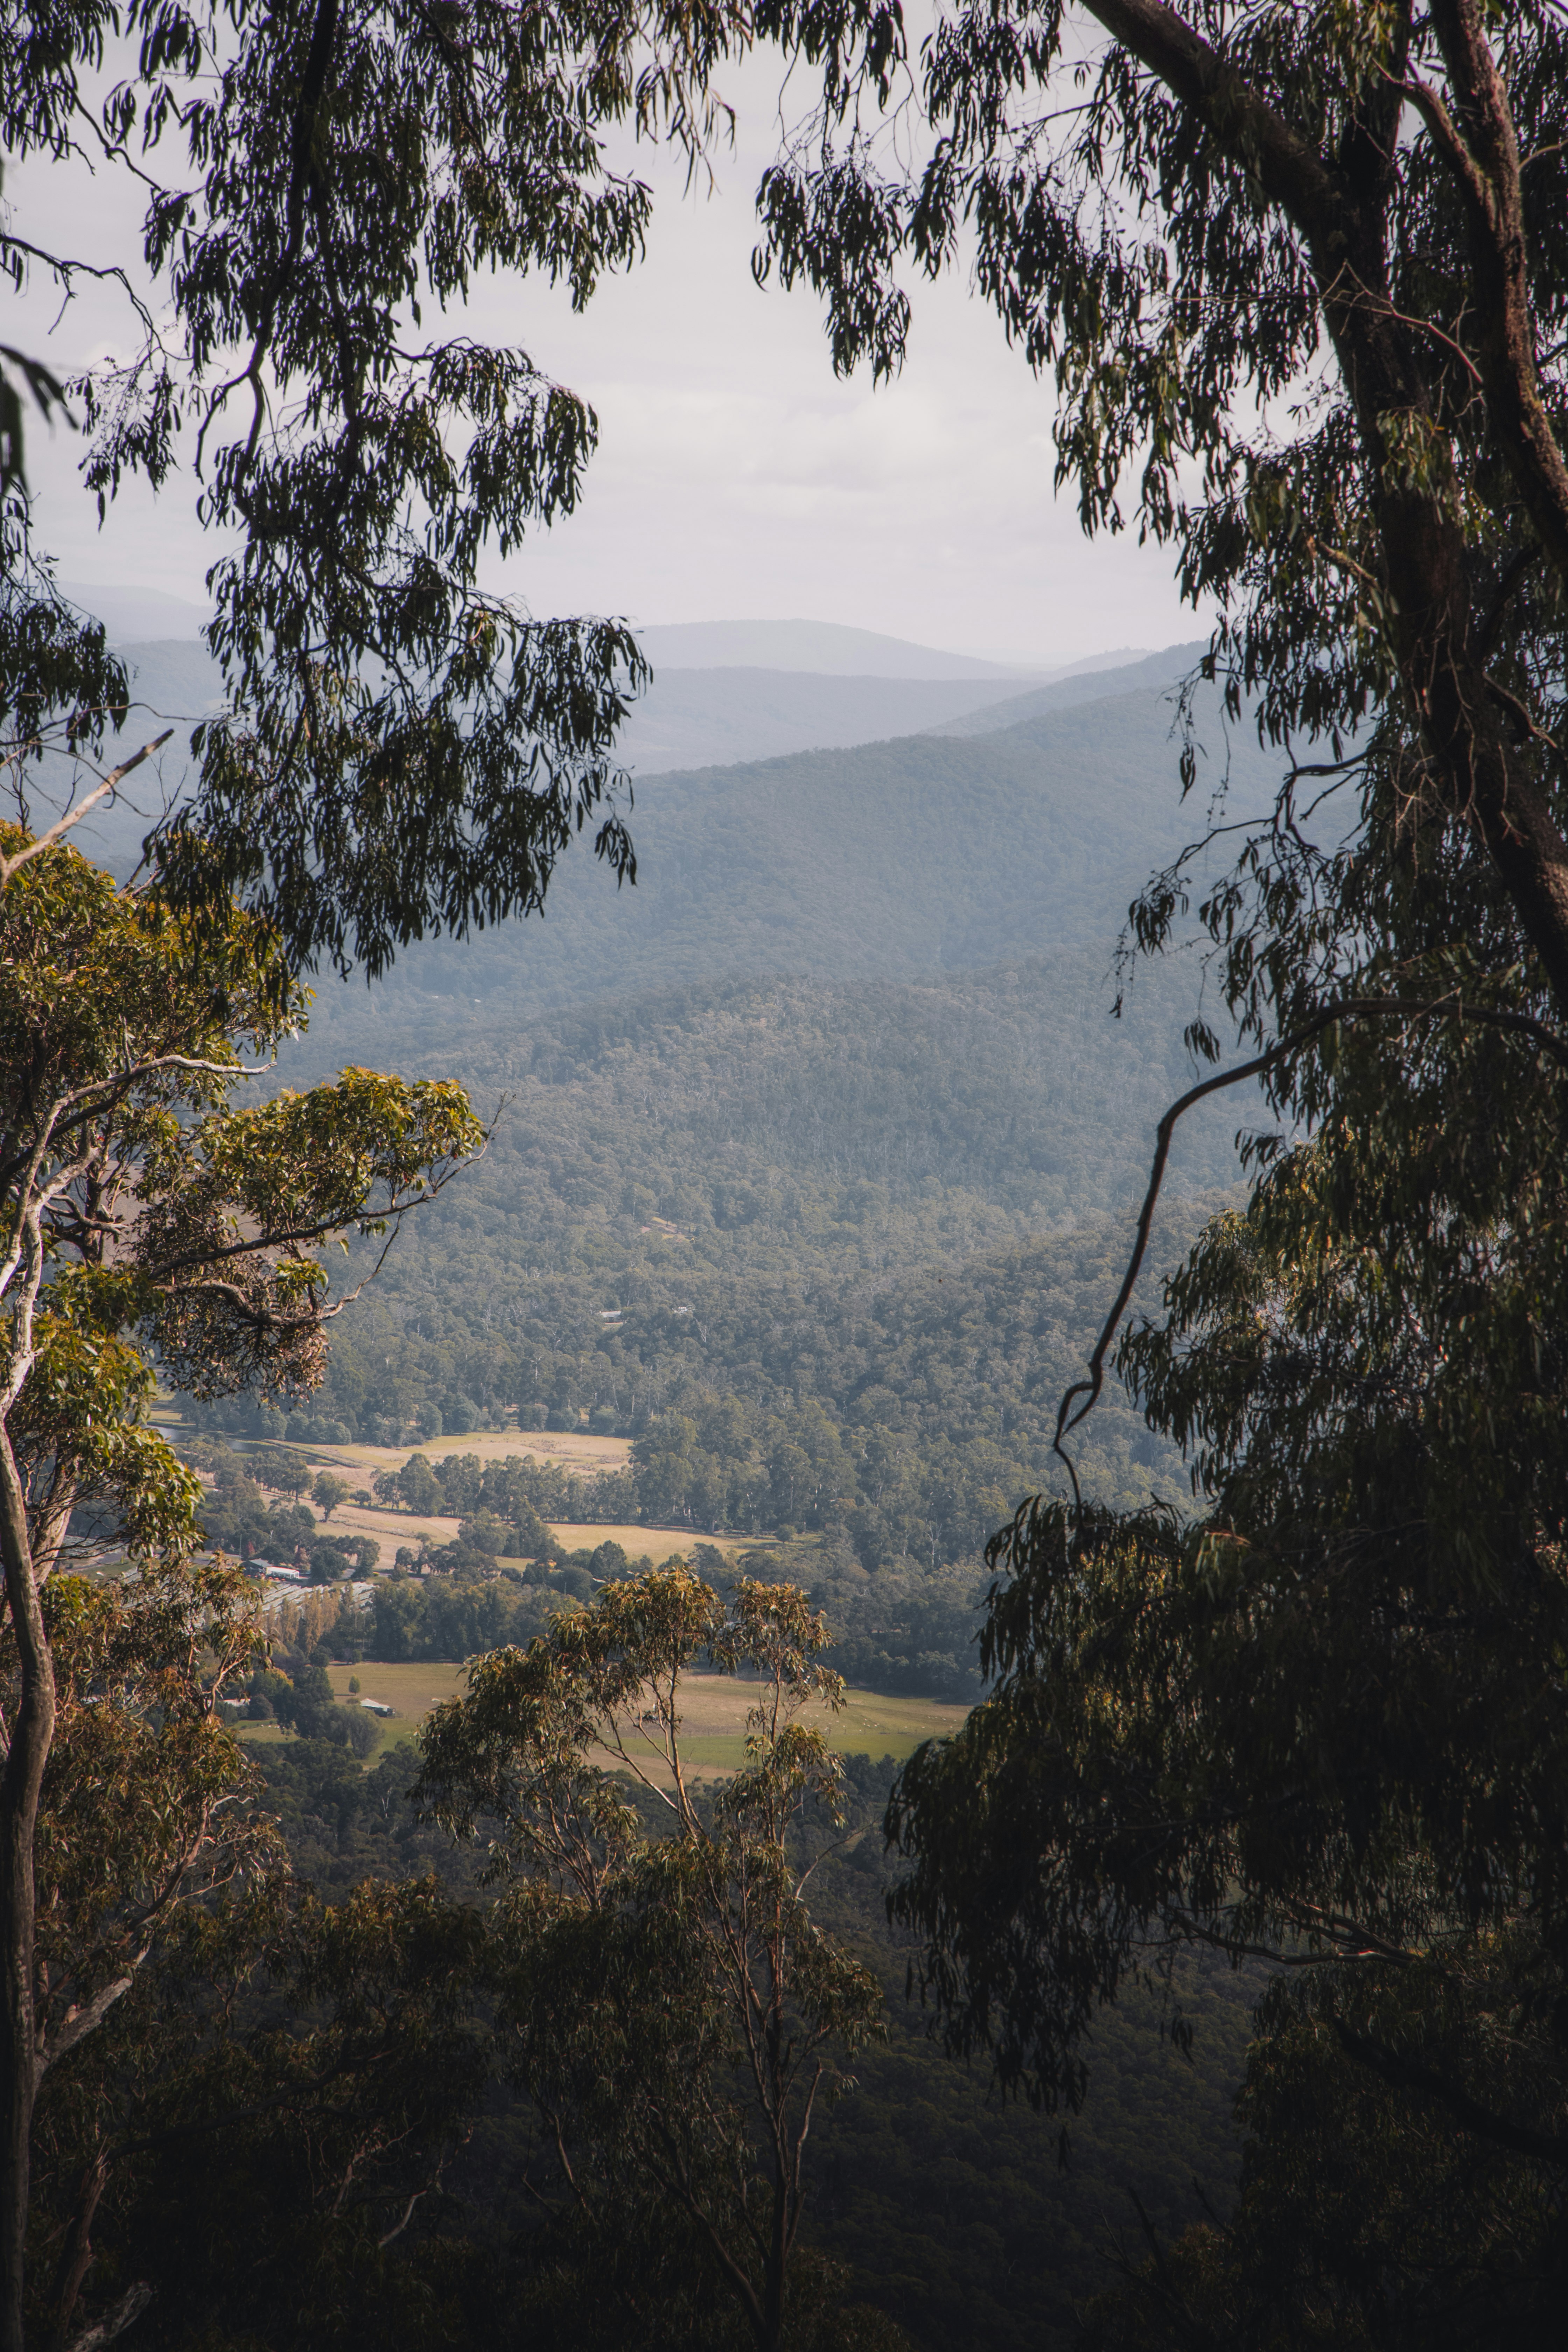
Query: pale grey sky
x,y
735,476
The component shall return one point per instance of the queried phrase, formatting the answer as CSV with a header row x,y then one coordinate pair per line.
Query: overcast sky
x,y
735,477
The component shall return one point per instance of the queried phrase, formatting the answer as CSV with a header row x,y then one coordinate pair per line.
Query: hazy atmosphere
x,y
735,477
783,1267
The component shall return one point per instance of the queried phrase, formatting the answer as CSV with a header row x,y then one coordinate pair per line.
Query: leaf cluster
x,y
401,750
699,2100
147,1219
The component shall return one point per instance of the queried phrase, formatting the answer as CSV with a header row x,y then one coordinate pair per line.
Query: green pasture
x,y
713,1708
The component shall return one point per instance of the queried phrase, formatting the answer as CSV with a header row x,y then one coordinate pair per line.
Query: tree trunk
x,y
32,1733
1344,227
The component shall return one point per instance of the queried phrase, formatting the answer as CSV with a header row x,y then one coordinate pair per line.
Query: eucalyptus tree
x,y
320,183
320,186
251,2146
150,1820
149,1223
1301,277
667,2003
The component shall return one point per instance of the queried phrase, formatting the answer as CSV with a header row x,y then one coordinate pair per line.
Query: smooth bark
x,y
31,1734
1339,210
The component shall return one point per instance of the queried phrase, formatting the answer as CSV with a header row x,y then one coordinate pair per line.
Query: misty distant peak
x,y
823,647
134,617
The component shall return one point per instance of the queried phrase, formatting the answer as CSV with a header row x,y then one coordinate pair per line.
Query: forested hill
x,y
777,1124
808,1141
825,1148
1153,674
891,1203
892,860
800,689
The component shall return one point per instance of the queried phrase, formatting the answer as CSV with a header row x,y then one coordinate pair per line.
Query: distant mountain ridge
x,y
137,617
827,648
690,719
1150,673
715,718
918,855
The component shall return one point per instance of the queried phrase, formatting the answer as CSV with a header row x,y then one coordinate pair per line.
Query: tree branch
x,y
1402,2074
1293,173
1486,169
56,832
1385,1008
115,2321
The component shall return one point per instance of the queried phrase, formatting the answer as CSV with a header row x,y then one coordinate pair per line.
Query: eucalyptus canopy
x,y
667,2003
1301,277
320,183
149,1223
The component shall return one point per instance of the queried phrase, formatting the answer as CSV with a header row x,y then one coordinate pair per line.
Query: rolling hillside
x,y
827,1114
893,860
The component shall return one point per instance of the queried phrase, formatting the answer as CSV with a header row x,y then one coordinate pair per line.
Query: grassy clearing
x,y
713,1709
261,1735
584,1454
413,1690
576,1449
658,1543
714,1713
393,1530
870,1723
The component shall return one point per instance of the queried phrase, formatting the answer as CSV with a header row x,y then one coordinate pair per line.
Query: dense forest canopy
x,y
892,860
710,1218
1295,1731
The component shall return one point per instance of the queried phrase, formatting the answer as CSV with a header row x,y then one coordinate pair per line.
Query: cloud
x,y
735,476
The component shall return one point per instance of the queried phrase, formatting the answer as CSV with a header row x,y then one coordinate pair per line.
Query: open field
x,y
713,1709
658,1542
413,1690
576,1449
577,1452
582,1455
391,1529
868,1723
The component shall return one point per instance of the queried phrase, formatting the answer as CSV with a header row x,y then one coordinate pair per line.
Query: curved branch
x,y
1350,1008
56,832
1402,2074
115,2321
1485,167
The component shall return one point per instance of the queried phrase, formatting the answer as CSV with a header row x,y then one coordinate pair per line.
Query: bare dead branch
x,y
56,832
1352,1008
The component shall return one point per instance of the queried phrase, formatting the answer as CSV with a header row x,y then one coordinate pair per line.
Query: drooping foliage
x,y
667,2003
1300,276
321,184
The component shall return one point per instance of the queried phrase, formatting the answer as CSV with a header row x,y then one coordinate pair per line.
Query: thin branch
x,y
1385,1008
56,832
115,2321
86,2020
1544,2147
1520,564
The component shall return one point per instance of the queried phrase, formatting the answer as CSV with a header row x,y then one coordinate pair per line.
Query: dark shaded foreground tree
x,y
1302,280
247,2096
320,185
146,1218
147,1809
249,2153
1323,1725
667,2006
1368,2215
